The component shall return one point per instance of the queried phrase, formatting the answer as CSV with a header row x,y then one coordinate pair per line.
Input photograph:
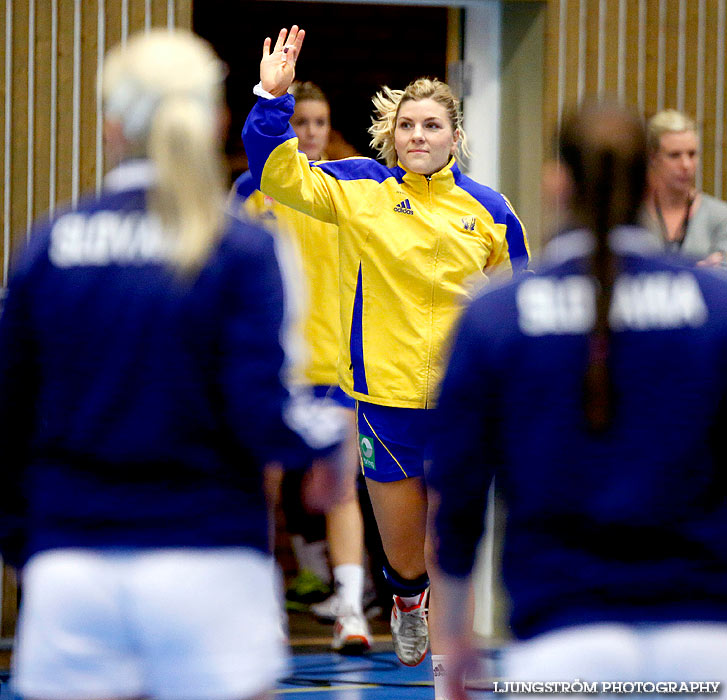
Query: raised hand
x,y
277,67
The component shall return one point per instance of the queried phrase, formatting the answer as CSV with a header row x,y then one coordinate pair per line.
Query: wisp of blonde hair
x,y
166,90
668,121
386,109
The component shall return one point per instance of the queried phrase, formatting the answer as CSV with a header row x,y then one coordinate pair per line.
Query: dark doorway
x,y
350,50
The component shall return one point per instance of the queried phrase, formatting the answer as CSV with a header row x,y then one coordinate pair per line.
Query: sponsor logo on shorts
x,y
368,455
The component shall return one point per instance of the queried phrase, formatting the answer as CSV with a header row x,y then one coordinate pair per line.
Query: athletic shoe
x,y
351,634
305,589
328,610
409,630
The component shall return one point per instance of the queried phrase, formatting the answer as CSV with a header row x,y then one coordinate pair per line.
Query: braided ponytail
x,y
604,147
597,384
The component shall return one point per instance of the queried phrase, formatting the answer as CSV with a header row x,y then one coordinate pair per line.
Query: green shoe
x,y
306,588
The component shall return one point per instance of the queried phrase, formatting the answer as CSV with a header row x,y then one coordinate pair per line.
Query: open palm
x,y
277,67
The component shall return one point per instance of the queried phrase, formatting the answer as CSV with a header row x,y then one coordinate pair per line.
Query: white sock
x,y
349,580
439,666
311,556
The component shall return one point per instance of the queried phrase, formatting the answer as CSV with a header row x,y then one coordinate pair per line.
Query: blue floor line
x,y
379,675
329,676
376,675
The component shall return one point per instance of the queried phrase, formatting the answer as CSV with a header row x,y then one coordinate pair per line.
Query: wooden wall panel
x,y
553,58
572,54
690,81
631,53
670,59
87,116
710,103
9,583
591,39
721,110
159,13
137,15
5,53
183,13
112,38
652,77
19,122
64,104
42,115
611,68
659,53
112,21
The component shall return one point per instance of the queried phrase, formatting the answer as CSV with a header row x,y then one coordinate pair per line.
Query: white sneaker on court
x,y
351,634
328,609
410,630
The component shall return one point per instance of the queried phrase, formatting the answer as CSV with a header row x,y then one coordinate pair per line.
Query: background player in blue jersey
x,y
595,393
140,398
414,236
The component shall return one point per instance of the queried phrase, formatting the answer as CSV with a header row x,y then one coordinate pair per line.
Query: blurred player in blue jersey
x,y
140,398
595,393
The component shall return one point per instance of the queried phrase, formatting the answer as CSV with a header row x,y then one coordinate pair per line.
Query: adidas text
x,y
404,208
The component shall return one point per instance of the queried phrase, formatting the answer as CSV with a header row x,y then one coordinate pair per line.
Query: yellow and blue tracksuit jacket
x,y
317,245
411,249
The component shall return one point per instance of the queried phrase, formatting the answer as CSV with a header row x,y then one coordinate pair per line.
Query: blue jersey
x,y
627,525
137,407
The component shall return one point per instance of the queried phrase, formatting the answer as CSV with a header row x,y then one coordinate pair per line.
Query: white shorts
x,y
174,624
617,652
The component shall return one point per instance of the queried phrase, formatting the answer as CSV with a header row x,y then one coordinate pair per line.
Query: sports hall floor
x,y
319,674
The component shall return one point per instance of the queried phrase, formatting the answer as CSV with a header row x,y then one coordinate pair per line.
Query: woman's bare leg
x,y
344,522
400,508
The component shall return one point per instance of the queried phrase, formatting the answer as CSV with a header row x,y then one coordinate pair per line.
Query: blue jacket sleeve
x,y
18,392
465,449
259,407
244,186
266,127
516,240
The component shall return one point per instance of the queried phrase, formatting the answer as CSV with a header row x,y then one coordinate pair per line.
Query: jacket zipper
x,y
431,304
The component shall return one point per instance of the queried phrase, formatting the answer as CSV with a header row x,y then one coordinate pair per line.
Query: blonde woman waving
x,y
414,235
